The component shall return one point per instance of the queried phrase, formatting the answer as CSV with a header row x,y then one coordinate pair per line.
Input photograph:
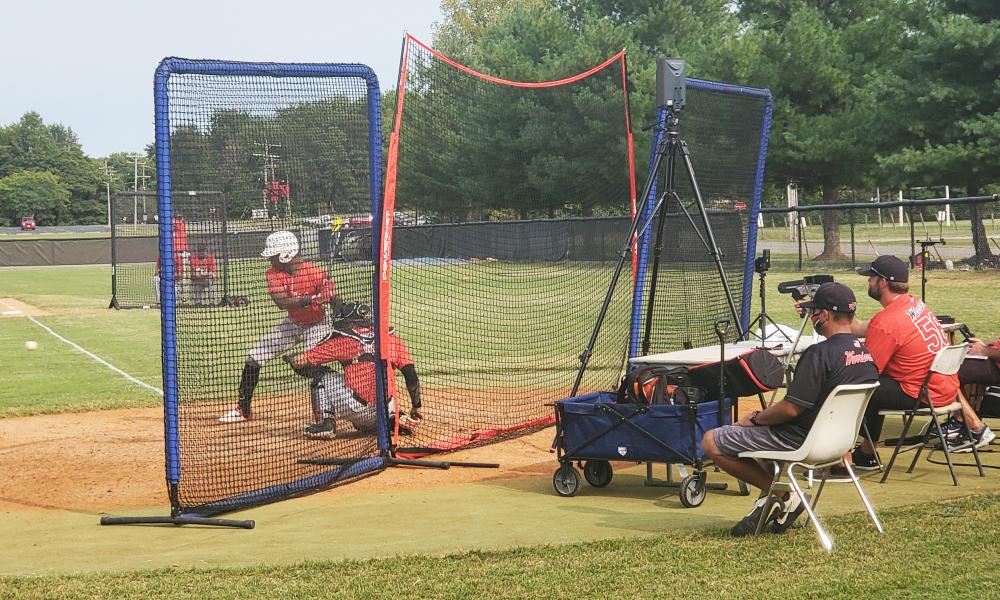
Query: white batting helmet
x,y
282,244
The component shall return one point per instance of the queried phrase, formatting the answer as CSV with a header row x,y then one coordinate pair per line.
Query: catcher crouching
x,y
351,396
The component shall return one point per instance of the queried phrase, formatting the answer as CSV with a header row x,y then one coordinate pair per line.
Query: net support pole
x,y
179,520
225,250
114,257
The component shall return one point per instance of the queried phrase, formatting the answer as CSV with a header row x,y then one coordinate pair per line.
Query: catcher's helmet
x,y
354,311
282,244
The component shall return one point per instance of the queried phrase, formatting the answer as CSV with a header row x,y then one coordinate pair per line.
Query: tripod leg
x,y
585,355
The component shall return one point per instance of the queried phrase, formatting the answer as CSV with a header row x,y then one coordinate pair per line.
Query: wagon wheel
x,y
566,480
597,472
692,490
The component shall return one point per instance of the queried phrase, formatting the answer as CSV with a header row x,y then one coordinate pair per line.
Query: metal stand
x,y
763,318
404,462
177,517
924,256
670,148
178,520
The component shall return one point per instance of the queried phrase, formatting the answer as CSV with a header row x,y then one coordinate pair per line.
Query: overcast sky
x,y
89,65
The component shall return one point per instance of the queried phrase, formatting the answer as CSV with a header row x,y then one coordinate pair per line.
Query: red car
x,y
28,223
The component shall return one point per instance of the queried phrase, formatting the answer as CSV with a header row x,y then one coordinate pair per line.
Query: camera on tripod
x,y
762,264
805,287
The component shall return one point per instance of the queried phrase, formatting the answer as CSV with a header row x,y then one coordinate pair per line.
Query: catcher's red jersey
x,y
359,376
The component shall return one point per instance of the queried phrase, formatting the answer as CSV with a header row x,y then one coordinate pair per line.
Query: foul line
x,y
94,356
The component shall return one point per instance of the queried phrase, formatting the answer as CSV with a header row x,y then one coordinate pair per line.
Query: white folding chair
x,y
832,435
947,362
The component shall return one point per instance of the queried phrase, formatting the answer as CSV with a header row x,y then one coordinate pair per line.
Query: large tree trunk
x,y
980,243
831,226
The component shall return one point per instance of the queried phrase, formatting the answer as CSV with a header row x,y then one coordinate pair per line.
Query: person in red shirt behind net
x,y
352,396
904,338
203,271
298,287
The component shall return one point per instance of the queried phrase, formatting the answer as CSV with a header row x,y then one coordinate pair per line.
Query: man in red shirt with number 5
x,y
904,338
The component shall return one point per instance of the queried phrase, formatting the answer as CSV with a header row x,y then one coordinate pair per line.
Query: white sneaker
x,y
233,416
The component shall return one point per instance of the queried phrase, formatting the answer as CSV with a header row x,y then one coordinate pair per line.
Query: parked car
x,y
28,224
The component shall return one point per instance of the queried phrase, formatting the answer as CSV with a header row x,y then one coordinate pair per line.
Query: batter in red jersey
x,y
352,396
302,289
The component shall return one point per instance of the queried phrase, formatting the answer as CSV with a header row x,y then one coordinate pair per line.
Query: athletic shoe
x,y
748,526
983,437
233,416
863,461
790,510
952,428
835,474
324,430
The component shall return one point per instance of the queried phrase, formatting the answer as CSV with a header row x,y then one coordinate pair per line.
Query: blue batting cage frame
x,y
649,203
181,66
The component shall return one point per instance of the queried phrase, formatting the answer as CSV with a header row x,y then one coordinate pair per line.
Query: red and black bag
x,y
751,373
658,385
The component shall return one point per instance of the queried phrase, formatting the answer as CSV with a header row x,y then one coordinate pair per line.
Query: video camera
x,y
801,289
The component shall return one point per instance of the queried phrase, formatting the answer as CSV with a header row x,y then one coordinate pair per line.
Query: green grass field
x,y
701,563
57,378
955,537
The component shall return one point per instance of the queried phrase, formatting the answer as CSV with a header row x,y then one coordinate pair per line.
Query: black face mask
x,y
818,325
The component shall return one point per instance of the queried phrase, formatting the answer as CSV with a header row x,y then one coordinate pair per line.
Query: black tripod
x,y
761,265
669,148
924,256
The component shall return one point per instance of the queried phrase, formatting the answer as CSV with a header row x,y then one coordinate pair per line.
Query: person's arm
x,y
413,389
882,345
978,347
859,327
284,299
401,360
780,412
801,394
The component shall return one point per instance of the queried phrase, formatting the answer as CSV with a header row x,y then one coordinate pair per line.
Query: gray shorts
x,y
733,439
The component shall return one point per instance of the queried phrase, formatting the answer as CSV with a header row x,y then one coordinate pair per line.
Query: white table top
x,y
710,354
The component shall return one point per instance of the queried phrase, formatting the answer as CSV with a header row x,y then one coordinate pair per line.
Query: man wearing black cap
x,y
904,338
840,359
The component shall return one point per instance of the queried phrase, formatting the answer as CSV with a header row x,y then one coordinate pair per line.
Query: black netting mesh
x,y
724,132
134,249
266,154
499,264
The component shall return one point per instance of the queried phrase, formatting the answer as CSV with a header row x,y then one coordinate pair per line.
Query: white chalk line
x,y
94,356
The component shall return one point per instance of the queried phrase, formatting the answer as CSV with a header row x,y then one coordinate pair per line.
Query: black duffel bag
x,y
748,374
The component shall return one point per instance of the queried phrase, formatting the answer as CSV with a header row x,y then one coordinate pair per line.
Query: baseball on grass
x,y
31,345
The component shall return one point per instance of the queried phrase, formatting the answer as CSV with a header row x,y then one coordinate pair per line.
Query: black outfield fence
x,y
953,231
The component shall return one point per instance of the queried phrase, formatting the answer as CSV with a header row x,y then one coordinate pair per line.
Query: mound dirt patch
x,y
10,307
112,460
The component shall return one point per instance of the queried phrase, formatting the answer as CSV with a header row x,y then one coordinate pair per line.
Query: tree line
x,y
890,93
867,93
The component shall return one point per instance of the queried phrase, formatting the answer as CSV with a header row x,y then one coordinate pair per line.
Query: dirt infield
x,y
112,460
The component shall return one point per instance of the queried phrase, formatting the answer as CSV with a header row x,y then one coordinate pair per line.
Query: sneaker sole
x,y
777,527
864,468
985,441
